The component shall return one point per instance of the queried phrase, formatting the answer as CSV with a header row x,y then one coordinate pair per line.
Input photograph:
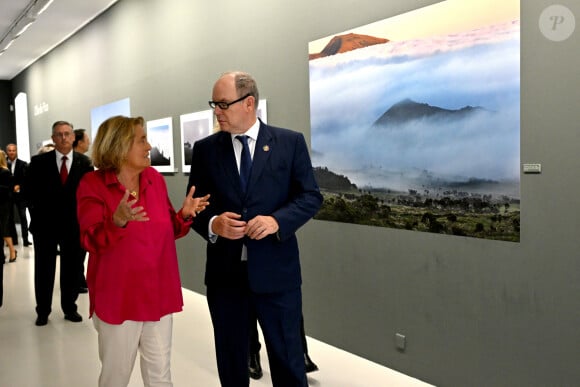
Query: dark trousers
x,y
45,268
2,259
279,315
2,278
20,206
255,345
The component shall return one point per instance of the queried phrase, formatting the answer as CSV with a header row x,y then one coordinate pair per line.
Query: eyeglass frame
x,y
62,134
225,105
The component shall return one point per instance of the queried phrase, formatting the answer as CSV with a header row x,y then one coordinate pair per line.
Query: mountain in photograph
x,y
347,42
329,180
158,158
408,110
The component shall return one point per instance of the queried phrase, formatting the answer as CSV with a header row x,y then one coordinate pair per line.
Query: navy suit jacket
x,y
53,206
281,185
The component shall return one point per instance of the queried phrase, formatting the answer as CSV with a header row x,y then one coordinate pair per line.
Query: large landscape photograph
x,y
415,121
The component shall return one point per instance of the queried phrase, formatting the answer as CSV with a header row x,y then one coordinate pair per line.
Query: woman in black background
x,y
6,187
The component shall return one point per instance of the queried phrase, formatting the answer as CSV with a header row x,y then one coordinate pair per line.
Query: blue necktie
x,y
245,162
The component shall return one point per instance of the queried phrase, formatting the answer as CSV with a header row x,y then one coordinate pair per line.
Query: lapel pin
x,y
266,148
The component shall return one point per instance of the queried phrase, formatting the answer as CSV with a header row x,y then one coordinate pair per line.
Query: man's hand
x,y
261,226
228,226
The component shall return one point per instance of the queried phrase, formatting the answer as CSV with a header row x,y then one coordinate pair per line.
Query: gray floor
x,y
65,354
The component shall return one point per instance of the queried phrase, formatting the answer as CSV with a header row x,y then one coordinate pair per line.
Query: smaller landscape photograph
x,y
160,136
99,114
194,126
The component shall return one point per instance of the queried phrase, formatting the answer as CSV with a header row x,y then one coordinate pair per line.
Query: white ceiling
x,y
60,20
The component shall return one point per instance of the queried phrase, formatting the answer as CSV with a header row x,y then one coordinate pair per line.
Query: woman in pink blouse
x,y
128,226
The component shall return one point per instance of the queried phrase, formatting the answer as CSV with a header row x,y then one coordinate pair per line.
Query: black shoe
x,y
83,289
41,321
27,243
309,364
74,317
255,367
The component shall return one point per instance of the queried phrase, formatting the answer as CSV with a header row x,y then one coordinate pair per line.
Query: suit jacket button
x,y
244,210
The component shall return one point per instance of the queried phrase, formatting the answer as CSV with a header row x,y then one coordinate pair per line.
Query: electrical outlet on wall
x,y
532,168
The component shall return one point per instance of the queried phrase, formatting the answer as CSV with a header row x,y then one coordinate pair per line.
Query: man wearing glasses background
x,y
263,190
50,187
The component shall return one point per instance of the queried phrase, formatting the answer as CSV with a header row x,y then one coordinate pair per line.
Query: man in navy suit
x,y
50,188
252,250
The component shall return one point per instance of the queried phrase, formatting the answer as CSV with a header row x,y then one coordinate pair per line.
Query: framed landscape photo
x,y
194,126
160,136
431,141
100,113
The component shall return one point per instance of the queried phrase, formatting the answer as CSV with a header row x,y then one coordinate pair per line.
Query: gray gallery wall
x,y
474,312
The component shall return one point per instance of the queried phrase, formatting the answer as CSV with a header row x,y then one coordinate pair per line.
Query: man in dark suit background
x,y
50,188
18,169
252,251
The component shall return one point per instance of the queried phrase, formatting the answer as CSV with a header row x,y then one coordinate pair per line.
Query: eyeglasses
x,y
225,105
62,134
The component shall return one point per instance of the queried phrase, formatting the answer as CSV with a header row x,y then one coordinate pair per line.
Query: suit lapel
x,y
54,165
75,166
262,153
226,159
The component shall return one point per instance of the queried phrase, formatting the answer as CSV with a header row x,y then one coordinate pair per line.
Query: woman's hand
x,y
125,211
193,206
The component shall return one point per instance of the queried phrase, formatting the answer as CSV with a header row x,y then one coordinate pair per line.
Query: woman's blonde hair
x,y
3,162
113,141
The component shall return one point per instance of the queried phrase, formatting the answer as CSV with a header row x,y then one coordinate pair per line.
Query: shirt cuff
x,y
211,236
